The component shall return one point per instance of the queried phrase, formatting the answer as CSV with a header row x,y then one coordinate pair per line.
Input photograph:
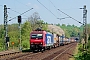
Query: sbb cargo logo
x,y
48,39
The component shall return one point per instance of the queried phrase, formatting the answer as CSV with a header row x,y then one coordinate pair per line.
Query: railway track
x,y
53,54
17,56
58,54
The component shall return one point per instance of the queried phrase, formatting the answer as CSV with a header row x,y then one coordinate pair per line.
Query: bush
x,y
83,55
25,44
1,48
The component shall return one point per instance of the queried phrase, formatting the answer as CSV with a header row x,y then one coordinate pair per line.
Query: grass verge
x,y
74,53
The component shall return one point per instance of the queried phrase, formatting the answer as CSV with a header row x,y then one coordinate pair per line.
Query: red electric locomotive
x,y
39,40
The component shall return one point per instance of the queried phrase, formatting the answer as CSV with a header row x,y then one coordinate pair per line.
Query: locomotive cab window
x,y
34,36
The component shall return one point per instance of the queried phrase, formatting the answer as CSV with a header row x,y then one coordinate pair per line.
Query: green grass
x,y
74,53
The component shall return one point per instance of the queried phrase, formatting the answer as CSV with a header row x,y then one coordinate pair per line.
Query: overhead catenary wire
x,y
65,13
17,12
21,14
13,11
53,5
27,6
21,3
47,9
69,16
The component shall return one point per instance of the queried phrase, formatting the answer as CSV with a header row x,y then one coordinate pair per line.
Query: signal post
x,y
19,21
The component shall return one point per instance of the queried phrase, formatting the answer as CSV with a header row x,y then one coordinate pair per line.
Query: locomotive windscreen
x,y
34,36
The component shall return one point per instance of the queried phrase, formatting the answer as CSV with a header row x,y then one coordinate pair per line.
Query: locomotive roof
x,y
38,31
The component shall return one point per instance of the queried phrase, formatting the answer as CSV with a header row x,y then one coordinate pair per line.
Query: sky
x,y
47,9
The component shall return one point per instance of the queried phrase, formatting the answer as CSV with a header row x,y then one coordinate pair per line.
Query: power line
x,y
53,5
22,3
69,16
14,10
47,9
21,14
65,13
17,12
26,5
26,11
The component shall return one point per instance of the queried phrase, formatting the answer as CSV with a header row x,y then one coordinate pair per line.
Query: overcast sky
x,y
48,10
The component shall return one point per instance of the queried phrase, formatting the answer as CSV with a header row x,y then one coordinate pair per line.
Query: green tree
x,y
26,29
13,33
58,24
63,25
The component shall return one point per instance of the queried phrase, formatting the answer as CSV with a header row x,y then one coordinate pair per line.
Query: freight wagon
x,y
62,42
56,39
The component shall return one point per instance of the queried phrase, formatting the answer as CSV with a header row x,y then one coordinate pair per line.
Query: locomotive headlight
x,y
41,43
31,43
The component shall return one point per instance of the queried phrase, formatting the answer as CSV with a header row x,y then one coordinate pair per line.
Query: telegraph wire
x,y
47,9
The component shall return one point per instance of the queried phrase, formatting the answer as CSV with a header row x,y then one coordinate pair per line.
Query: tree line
x,y
31,24
74,31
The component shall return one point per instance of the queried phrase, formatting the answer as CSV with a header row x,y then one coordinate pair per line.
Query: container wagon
x,y
62,40
56,39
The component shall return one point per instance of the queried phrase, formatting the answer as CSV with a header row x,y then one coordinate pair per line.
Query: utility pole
x,y
85,25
